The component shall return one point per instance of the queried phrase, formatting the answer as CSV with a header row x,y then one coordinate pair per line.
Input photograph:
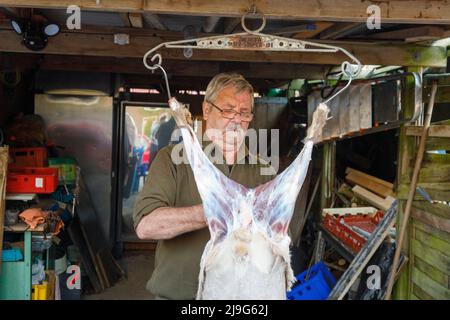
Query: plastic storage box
x,y
32,180
28,157
67,169
12,255
317,287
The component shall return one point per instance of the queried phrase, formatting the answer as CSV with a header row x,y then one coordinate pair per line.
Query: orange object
x,y
33,217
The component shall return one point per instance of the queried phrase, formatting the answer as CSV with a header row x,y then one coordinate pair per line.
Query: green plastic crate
x,y
67,168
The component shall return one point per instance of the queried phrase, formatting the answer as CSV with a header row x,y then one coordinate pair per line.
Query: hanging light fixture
x,y
35,33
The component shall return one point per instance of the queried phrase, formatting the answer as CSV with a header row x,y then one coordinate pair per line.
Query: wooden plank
x,y
332,124
433,242
338,30
433,159
125,20
394,11
230,24
373,199
420,294
368,176
422,32
102,44
438,209
154,21
308,34
437,191
430,174
442,94
135,19
344,113
406,151
365,107
370,185
443,235
431,271
434,131
176,68
429,285
438,144
437,259
353,110
437,222
211,23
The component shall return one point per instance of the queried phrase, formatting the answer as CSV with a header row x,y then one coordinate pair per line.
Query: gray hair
x,y
223,80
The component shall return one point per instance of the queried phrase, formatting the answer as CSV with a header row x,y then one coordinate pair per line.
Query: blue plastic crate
x,y
317,287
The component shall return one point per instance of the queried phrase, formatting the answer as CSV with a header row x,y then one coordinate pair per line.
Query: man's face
x,y
228,134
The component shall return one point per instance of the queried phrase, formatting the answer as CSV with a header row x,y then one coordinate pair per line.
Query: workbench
x,y
15,276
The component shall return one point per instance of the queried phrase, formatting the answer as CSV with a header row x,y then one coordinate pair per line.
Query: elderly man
x,y
169,207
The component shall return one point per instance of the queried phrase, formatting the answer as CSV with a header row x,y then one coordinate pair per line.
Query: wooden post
x,y
405,154
412,190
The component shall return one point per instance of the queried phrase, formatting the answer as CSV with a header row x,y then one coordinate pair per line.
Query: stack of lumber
x,y
372,190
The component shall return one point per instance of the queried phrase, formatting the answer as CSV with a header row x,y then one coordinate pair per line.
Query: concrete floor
x,y
138,266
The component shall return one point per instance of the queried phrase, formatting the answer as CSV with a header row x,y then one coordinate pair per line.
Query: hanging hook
x,y
158,65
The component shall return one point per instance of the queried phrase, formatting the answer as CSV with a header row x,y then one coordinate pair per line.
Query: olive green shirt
x,y
177,260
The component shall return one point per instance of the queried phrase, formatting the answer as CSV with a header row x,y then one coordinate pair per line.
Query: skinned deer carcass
x,y
247,256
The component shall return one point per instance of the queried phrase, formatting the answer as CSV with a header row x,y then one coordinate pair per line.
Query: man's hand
x,y
169,222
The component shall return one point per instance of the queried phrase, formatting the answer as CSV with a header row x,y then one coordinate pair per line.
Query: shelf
x,y
22,227
21,196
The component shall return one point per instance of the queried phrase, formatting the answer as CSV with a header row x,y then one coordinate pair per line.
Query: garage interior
x,y
86,100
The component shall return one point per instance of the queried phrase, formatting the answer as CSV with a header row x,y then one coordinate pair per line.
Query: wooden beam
x,y
393,11
76,43
372,198
338,30
125,19
185,68
154,21
210,23
442,131
308,34
230,24
135,19
410,34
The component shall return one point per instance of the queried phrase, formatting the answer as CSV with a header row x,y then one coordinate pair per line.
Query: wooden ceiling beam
x,y
230,24
136,20
415,34
153,20
392,11
173,67
125,20
338,30
211,23
308,34
84,44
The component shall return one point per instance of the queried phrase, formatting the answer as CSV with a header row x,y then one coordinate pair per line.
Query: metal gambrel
x,y
254,41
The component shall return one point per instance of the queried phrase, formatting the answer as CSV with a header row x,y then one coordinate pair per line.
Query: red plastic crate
x,y
32,180
343,232
28,157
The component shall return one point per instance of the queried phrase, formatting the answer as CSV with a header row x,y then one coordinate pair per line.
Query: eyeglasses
x,y
231,114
